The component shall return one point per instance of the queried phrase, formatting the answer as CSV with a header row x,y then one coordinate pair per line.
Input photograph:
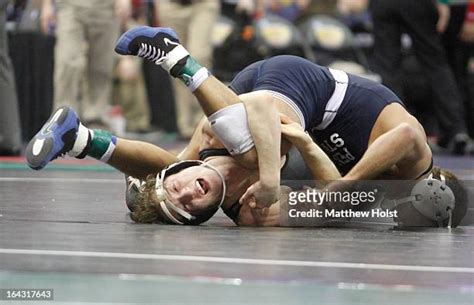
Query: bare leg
x,y
63,133
139,159
213,95
397,139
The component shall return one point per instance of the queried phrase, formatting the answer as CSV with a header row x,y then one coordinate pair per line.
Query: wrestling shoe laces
x,y
152,53
159,45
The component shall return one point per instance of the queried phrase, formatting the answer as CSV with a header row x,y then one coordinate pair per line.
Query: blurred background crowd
x,y
60,52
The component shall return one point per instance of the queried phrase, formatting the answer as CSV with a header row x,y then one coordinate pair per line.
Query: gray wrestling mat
x,y
66,229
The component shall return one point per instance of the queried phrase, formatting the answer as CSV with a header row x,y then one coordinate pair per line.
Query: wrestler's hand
x,y
293,131
261,195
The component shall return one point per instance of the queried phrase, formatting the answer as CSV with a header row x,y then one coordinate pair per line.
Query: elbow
x,y
408,134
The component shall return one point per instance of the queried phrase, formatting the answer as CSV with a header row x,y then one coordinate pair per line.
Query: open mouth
x,y
202,186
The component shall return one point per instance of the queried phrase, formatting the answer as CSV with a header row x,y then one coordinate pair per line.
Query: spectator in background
x,y
193,21
130,91
231,8
423,20
10,132
130,94
288,9
352,6
86,32
244,12
355,14
458,41
322,7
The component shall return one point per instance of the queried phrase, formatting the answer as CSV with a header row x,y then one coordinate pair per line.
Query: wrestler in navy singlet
x,y
339,115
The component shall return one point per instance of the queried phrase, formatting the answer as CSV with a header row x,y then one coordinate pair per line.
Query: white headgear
x,y
166,204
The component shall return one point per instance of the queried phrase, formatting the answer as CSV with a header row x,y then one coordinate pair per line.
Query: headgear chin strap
x,y
166,204
431,197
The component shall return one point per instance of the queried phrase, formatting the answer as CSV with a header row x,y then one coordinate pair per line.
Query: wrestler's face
x,y
194,188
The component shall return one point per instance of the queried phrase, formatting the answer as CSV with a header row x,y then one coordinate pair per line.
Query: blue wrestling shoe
x,y
56,138
160,45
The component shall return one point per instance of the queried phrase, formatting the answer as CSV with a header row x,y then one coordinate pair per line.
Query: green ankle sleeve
x,y
189,69
102,145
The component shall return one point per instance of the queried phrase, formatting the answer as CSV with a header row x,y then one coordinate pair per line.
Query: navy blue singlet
x,y
337,109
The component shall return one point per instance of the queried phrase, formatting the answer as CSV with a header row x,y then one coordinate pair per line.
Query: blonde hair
x,y
459,190
145,210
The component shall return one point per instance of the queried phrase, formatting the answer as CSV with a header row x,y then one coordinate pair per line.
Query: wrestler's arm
x,y
263,123
269,217
191,151
212,96
386,151
273,216
322,168
139,159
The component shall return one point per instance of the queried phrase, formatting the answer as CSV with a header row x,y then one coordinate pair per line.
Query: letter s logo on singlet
x,y
336,150
336,140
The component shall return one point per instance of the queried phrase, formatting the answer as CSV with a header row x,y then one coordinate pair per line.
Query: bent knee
x,y
395,117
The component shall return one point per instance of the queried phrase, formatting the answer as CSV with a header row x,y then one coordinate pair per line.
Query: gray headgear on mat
x,y
431,197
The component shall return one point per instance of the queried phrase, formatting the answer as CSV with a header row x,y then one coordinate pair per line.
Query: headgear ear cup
x,y
431,198
434,199
132,191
